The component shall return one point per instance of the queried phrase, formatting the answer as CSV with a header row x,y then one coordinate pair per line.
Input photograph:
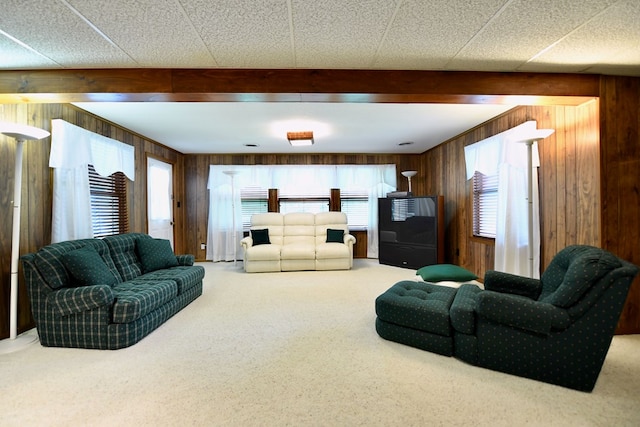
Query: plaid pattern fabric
x,y
122,335
83,317
186,260
48,260
185,277
123,252
135,299
65,302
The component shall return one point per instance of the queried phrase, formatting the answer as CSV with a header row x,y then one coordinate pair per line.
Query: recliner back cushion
x,y
573,271
332,220
299,228
272,221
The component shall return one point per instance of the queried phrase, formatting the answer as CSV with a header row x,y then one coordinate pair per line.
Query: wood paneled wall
x,y
563,169
619,166
197,173
568,179
37,188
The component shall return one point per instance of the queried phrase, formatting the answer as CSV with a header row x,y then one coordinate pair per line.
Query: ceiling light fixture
x,y
300,139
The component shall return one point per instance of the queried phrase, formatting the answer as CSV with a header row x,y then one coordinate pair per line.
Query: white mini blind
x,y
254,200
485,204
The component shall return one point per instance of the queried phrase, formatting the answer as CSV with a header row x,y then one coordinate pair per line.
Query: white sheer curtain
x,y
378,179
503,154
72,150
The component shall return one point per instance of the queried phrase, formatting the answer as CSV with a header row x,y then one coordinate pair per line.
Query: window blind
x,y
485,204
108,203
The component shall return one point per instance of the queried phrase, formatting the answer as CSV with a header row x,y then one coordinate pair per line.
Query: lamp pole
x,y
20,133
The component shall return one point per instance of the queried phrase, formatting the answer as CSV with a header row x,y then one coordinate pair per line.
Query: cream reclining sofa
x,y
298,241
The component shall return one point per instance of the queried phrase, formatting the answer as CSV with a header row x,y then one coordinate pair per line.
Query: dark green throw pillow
x,y
445,272
260,237
155,254
87,267
335,236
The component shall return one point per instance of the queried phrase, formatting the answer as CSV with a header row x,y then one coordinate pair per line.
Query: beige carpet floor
x,y
295,349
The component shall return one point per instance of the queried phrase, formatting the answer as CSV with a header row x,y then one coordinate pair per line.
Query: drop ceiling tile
x,y
244,33
12,55
337,33
522,30
425,35
611,37
155,33
56,32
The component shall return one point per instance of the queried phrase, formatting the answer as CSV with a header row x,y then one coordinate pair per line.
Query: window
x,y
254,200
108,203
485,204
355,203
299,199
313,205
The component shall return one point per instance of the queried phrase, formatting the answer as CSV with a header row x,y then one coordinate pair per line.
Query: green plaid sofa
x,y
557,329
107,293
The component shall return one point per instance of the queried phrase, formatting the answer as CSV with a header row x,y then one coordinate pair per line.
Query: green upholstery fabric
x,y
48,261
134,301
102,316
185,277
123,252
87,267
498,281
418,305
463,309
557,329
416,314
155,254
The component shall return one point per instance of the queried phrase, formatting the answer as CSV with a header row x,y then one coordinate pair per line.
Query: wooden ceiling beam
x,y
295,85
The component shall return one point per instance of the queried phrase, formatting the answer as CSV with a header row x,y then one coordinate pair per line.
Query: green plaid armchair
x,y
557,329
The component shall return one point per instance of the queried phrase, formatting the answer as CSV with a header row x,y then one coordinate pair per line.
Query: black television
x,y
410,220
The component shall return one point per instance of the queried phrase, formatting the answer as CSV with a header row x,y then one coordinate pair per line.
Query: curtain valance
x,y
73,147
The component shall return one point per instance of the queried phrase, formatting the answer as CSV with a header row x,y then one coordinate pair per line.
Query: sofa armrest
x,y
246,242
349,239
69,301
186,259
512,284
523,313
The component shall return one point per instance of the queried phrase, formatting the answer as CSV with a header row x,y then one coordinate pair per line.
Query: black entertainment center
x,y
411,231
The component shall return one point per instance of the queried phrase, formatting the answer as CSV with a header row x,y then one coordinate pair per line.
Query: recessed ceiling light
x,y
405,143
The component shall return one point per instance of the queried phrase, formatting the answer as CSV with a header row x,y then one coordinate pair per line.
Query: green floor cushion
x,y
445,272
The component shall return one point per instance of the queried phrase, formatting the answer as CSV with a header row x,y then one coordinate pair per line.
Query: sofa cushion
x,y
185,277
123,253
332,251
134,299
298,251
155,254
260,237
263,253
335,236
87,267
48,261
